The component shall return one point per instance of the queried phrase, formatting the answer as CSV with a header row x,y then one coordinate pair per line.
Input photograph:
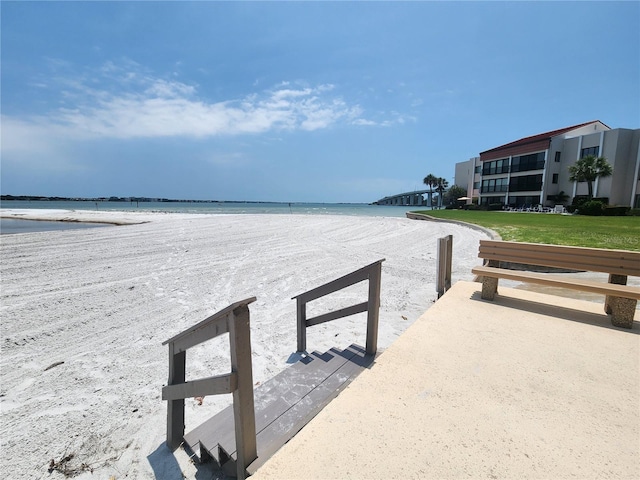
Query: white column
x,y
544,175
506,197
600,150
634,188
575,184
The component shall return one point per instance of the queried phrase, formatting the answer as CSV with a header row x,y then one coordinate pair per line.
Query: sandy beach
x,y
84,314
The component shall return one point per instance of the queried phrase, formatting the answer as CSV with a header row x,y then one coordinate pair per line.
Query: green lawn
x,y
600,232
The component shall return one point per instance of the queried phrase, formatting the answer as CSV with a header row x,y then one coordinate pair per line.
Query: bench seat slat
x,y
624,291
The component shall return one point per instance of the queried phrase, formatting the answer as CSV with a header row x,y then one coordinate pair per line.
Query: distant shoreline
x,y
36,198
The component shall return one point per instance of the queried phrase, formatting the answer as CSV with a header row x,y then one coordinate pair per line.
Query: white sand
x,y
103,300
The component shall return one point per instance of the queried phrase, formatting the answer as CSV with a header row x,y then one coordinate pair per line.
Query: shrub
x,y
634,212
495,206
615,211
581,199
591,207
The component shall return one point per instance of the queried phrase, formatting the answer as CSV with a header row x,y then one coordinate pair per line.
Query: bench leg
x,y
618,280
489,288
622,311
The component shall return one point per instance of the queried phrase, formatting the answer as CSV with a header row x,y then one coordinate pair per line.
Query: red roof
x,y
541,137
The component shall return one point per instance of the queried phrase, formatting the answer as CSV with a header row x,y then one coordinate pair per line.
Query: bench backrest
x,y
618,262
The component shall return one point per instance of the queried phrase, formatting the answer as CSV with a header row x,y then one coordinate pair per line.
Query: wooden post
x,y
175,408
373,309
301,309
243,405
440,268
447,278
445,255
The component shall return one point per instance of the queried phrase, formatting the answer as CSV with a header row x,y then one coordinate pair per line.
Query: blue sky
x,y
296,101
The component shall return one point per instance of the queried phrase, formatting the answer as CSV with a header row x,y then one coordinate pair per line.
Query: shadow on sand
x,y
166,467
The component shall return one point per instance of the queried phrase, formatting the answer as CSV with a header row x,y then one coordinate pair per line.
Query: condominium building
x,y
535,170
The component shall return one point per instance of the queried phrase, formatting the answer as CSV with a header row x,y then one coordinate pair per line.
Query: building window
x,y
476,185
589,151
524,163
526,183
557,158
523,201
495,167
555,178
478,169
492,200
495,185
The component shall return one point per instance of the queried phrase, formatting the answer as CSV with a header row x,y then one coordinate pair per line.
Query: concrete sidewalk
x,y
528,386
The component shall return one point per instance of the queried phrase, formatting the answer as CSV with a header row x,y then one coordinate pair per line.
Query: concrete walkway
x,y
528,386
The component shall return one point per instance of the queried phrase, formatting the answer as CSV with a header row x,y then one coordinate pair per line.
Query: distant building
x,y
468,176
533,170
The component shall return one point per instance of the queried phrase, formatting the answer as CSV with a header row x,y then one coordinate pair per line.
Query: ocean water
x,y
23,226
360,209
10,225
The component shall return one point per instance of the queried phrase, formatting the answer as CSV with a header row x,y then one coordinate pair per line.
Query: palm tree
x,y
431,181
441,186
561,197
453,194
589,169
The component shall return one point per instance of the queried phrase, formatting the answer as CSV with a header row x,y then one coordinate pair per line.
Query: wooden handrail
x,y
233,320
372,273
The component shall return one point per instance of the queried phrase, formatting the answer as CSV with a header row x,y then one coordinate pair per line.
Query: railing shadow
x,y
165,466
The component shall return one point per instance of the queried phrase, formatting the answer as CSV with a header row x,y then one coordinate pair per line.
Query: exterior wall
x,y
621,149
463,176
556,146
466,176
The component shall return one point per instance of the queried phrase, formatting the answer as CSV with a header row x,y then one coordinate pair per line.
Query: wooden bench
x,y
621,299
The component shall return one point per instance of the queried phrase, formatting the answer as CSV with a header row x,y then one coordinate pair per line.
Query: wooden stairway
x,y
283,406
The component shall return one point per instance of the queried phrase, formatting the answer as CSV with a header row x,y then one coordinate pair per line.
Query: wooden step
x,y
283,406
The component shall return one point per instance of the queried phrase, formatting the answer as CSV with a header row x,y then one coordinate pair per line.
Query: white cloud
x,y
228,160
125,101
165,89
364,122
36,145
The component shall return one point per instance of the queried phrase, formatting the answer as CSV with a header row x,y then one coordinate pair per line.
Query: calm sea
x,y
359,209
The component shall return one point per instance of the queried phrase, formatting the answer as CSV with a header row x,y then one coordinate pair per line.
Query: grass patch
x,y
579,230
